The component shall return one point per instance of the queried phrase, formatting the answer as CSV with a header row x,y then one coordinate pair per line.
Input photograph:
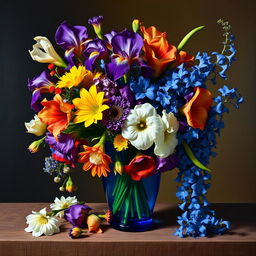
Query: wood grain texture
x,y
14,241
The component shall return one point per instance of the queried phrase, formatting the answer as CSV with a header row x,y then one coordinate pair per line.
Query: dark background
x,y
21,175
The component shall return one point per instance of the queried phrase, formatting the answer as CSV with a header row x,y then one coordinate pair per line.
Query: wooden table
x,y
14,241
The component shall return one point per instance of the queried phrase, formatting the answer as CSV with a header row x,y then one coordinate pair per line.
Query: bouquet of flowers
x,y
129,105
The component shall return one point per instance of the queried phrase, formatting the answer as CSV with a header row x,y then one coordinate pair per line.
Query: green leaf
x,y
192,157
80,131
188,36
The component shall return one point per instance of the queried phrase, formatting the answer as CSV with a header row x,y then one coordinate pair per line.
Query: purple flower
x,y
126,92
96,20
126,49
44,79
94,50
110,35
71,39
77,214
114,117
107,86
166,164
65,149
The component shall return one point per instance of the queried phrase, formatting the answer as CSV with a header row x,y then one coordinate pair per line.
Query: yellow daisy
x,y
78,76
120,143
89,106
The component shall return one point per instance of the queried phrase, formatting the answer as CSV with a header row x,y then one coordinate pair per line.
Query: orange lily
x,y
196,110
159,53
56,114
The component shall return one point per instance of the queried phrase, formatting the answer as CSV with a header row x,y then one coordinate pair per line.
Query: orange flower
x,y
159,53
96,160
56,114
196,110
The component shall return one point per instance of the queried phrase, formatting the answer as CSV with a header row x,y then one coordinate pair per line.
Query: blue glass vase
x,y
131,202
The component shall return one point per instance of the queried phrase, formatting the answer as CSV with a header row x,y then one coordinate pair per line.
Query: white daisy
x,y
40,223
142,126
167,142
63,203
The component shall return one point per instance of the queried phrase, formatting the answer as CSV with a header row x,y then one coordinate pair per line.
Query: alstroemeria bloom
x,y
141,166
56,114
196,110
44,52
36,126
72,39
143,126
166,142
159,53
126,49
65,150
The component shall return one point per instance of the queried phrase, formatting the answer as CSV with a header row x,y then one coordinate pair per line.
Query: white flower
x,y
166,144
143,126
44,52
40,223
63,203
36,126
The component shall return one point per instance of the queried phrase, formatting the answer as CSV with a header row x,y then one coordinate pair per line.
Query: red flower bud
x,y
141,166
51,66
52,73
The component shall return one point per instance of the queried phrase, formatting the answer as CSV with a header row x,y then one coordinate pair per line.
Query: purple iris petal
x,y
65,149
77,214
69,37
44,79
127,44
36,101
126,48
165,164
110,35
96,20
117,68
94,49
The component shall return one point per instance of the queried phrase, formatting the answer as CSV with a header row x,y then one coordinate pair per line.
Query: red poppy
x,y
141,166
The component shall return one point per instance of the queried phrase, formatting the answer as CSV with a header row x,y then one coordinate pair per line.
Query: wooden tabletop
x,y
14,241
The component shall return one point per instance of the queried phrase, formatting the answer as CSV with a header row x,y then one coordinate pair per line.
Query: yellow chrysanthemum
x,y
120,143
89,106
78,76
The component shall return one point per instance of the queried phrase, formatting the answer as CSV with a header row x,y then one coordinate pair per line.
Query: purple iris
x,y
94,50
166,164
77,214
39,85
44,79
96,20
126,49
65,149
71,39
110,35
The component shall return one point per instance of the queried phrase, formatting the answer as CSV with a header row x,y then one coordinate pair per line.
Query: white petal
x,y
143,141
129,133
28,229
145,110
165,147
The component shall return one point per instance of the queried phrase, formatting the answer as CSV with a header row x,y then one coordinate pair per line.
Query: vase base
x,y
133,225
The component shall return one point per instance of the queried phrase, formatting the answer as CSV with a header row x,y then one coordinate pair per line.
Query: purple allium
x,y
96,20
77,215
107,86
117,113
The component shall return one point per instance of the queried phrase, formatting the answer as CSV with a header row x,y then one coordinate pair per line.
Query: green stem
x,y
127,207
137,203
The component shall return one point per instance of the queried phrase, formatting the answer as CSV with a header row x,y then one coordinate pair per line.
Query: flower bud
x,y
135,25
57,179
118,168
62,189
93,222
34,146
96,23
70,186
75,232
66,169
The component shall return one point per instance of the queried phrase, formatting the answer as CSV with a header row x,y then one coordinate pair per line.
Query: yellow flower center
x,y
42,219
141,125
95,158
